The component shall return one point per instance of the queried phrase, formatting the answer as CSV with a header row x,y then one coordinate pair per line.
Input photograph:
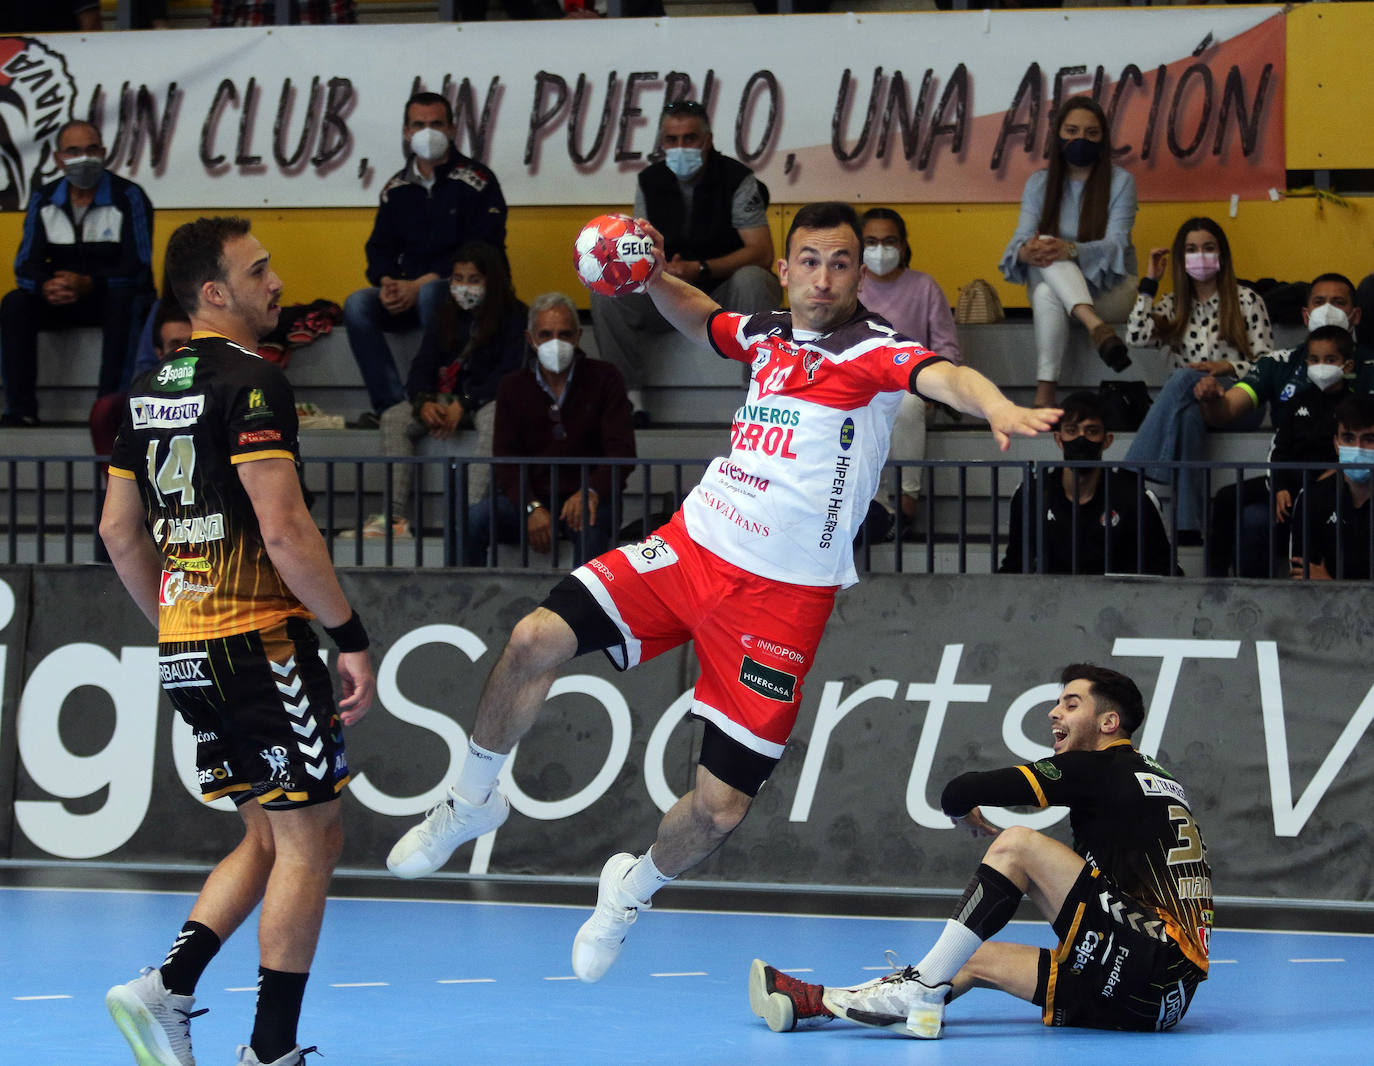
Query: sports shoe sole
x,y
773,1007
923,1025
611,874
138,1025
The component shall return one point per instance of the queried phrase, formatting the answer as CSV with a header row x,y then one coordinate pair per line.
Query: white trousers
x,y
1054,292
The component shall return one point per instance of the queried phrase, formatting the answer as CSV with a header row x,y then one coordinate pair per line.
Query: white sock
x,y
643,879
478,775
954,948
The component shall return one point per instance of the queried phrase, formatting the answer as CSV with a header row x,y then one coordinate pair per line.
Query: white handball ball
x,y
614,255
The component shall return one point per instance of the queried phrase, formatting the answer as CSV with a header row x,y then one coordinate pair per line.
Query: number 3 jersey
x,y
806,448
190,421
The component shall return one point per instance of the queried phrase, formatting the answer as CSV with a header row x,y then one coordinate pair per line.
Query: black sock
x,y
279,1009
194,948
989,902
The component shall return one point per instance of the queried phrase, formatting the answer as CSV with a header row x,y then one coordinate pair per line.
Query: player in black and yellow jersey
x,y
207,461
1131,901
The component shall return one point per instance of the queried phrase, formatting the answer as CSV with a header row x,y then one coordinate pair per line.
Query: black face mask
x,y
1081,449
1080,152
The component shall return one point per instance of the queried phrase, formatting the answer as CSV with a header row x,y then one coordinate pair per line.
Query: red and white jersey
x,y
807,447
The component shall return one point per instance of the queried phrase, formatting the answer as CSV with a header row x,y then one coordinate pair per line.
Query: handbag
x,y
1124,404
978,304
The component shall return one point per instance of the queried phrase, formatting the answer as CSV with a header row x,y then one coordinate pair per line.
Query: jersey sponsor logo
x,y
1155,785
275,758
811,362
1194,887
836,502
174,586
1048,770
198,530
768,416
729,511
847,434
754,437
1171,1007
602,569
197,563
1086,949
257,405
259,436
1114,977
153,412
772,647
1286,393
767,682
901,358
176,374
775,381
187,670
209,775
652,553
740,475
202,736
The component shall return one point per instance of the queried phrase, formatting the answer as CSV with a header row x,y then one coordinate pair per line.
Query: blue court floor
x,y
441,984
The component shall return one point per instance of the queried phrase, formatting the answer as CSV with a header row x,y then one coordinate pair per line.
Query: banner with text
x,y
944,107
1259,700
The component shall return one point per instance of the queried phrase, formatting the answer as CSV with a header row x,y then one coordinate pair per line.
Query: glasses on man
x,y
685,107
560,431
1094,431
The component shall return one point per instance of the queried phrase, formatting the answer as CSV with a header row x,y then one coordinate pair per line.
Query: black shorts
x,y
262,707
1115,967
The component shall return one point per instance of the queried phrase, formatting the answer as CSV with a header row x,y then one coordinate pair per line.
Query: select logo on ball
x,y
614,255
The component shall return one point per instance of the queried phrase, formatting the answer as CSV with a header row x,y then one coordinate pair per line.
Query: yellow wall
x,y
319,252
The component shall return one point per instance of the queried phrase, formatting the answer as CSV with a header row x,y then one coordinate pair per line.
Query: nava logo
x,y
847,434
176,374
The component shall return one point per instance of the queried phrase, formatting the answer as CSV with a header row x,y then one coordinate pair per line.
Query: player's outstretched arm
x,y
135,558
685,306
297,551
964,389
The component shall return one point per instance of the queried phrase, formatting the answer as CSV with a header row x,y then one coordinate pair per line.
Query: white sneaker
x,y
597,944
375,528
899,1001
294,1057
427,846
156,1023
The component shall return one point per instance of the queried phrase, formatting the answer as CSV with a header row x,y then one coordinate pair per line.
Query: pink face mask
x,y
1202,266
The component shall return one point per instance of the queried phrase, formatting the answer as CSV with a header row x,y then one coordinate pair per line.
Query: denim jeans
x,y
1175,430
368,322
508,529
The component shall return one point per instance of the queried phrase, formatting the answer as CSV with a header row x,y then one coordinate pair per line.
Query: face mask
x,y
467,296
85,172
429,145
555,355
1350,453
881,259
1081,449
1327,315
683,162
1202,266
1324,375
1080,152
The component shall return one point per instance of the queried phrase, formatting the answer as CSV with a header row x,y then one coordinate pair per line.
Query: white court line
x,y
1316,960
30,999
245,988
685,973
466,981
796,969
1221,962
360,984
571,977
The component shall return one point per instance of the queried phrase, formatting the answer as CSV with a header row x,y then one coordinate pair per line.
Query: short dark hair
x,y
426,99
1341,338
167,311
686,109
1082,404
827,214
1111,691
886,214
1356,411
195,255
1332,276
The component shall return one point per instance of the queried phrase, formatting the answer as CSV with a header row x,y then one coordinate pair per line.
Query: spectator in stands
x,y
1210,326
914,303
171,329
1074,532
562,404
263,12
438,202
1285,380
84,260
1364,299
1331,529
474,340
50,16
711,211
1072,246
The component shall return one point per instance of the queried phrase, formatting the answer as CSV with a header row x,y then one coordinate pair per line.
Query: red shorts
x,y
755,637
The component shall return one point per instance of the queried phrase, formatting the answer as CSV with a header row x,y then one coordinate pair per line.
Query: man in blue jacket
x,y
439,200
85,259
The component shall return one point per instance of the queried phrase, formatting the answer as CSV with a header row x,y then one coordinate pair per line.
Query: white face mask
x,y
429,145
555,355
1324,375
467,296
1327,315
881,259
683,162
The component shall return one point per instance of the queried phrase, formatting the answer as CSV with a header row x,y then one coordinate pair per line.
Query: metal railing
x,y
51,512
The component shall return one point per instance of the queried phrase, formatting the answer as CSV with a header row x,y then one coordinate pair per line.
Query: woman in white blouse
x,y
1072,246
1209,325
